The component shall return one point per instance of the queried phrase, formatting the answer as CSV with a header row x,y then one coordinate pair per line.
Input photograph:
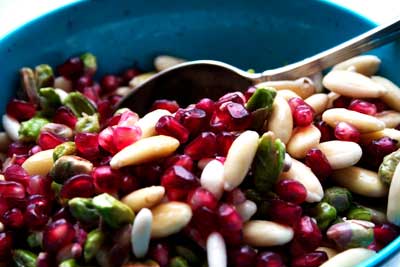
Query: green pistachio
x,y
351,234
338,197
68,263
44,76
261,98
114,212
178,262
28,83
49,100
325,214
89,63
67,148
188,255
30,129
359,213
35,239
388,165
58,129
68,166
24,258
92,245
79,104
83,209
88,124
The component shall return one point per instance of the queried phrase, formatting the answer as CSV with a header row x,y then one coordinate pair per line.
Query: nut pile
x,y
300,173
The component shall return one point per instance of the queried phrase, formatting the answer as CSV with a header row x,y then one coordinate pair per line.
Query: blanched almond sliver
x,y
304,87
365,64
163,62
266,233
318,102
392,96
302,140
144,198
148,123
216,251
281,122
349,258
341,154
39,163
391,118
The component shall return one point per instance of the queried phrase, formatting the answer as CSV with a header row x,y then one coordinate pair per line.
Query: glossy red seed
x,y
9,189
236,97
20,110
380,106
244,256
114,99
235,197
230,224
291,190
20,159
363,106
376,150
385,233
128,118
109,83
326,131
170,105
71,69
341,102
4,206
318,163
224,142
106,179
35,149
207,105
17,148
284,212
376,246
37,212
39,185
114,120
347,132
205,221
203,146
17,174
87,144
65,116
106,140
160,253
5,245
70,251
303,115
177,177
174,194
80,185
47,140
294,102
57,235
269,259
231,116
249,92
129,183
82,82
124,136
307,236
168,125
148,174
181,160
44,259
312,259
193,119
92,93
105,109
129,74
13,218
192,233
201,197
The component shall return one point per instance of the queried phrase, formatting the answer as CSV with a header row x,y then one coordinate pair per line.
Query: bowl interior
x,y
260,35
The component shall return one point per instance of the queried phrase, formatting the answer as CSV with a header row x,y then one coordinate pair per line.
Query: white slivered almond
x,y
388,132
280,121
306,177
349,258
266,233
391,118
145,150
332,96
141,78
352,84
163,62
304,87
239,159
317,80
148,123
4,141
144,198
319,102
216,251
141,233
361,181
287,163
63,83
392,96
365,64
11,126
330,252
246,209
393,208
2,177
169,218
302,140
201,164
287,94
212,178
364,123
341,154
39,163
123,90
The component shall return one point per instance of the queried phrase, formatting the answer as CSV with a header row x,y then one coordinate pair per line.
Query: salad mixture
x,y
297,173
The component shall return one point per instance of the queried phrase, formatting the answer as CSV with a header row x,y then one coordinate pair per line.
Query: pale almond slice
x,y
11,126
319,102
391,118
330,252
341,154
286,94
266,233
304,87
144,198
393,207
163,62
349,258
332,96
281,122
392,96
365,64
141,78
141,233
39,163
388,132
212,178
246,210
148,123
216,251
302,140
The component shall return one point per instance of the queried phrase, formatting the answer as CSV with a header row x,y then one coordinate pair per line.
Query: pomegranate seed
x,y
230,224
124,136
129,184
106,140
201,197
65,116
71,68
347,132
318,163
203,146
385,233
160,253
303,115
363,107
312,259
326,131
129,74
20,159
39,185
269,259
45,260
114,120
177,177
9,189
105,109
17,174
376,150
148,174
57,235
13,218
34,150
307,236
176,194
114,99
110,83
92,93
231,116
341,102
249,92
284,212
291,190
4,206
37,212
380,106
82,82
47,140
5,245
80,185
181,160
17,148
205,221
236,97
235,197
87,144
193,119
168,125
20,110
128,118
224,142
195,235
244,256
207,105
106,179
63,213
170,105
294,102
71,251
376,246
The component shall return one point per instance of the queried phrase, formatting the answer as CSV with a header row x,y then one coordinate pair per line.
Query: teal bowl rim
x,y
382,255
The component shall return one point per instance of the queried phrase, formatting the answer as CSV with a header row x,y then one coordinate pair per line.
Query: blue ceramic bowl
x,y
260,35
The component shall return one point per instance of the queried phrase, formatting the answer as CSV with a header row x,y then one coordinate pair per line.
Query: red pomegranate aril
x,y
57,235
106,140
148,174
326,131
318,163
71,68
174,194
235,197
291,190
170,105
385,233
4,206
160,253
37,212
236,97
380,106
363,107
10,189
312,259
39,185
230,116
269,259
128,118
114,120
49,140
124,136
303,115
128,184
203,146
168,125
13,218
17,148
17,174
35,149
63,213
87,144
109,83
207,105
70,251
229,219
177,177
5,245
375,246
205,221
307,235
294,102
83,81
65,116
249,92
129,74
181,160
106,179
376,150
92,93
114,99
347,132
284,212
20,110
244,256
341,102
224,142
201,197
105,109
80,185
193,119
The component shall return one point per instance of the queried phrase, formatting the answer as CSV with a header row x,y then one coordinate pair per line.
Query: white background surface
x,y
16,12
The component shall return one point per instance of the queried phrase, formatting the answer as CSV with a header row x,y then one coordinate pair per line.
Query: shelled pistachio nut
x,y
388,166
351,234
68,166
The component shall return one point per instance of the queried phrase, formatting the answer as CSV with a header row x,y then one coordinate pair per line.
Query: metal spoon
x,y
188,82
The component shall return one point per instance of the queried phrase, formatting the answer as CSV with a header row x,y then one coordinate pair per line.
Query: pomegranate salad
x,y
299,173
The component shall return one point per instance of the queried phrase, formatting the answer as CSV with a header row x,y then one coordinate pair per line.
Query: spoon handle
x,y
376,37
